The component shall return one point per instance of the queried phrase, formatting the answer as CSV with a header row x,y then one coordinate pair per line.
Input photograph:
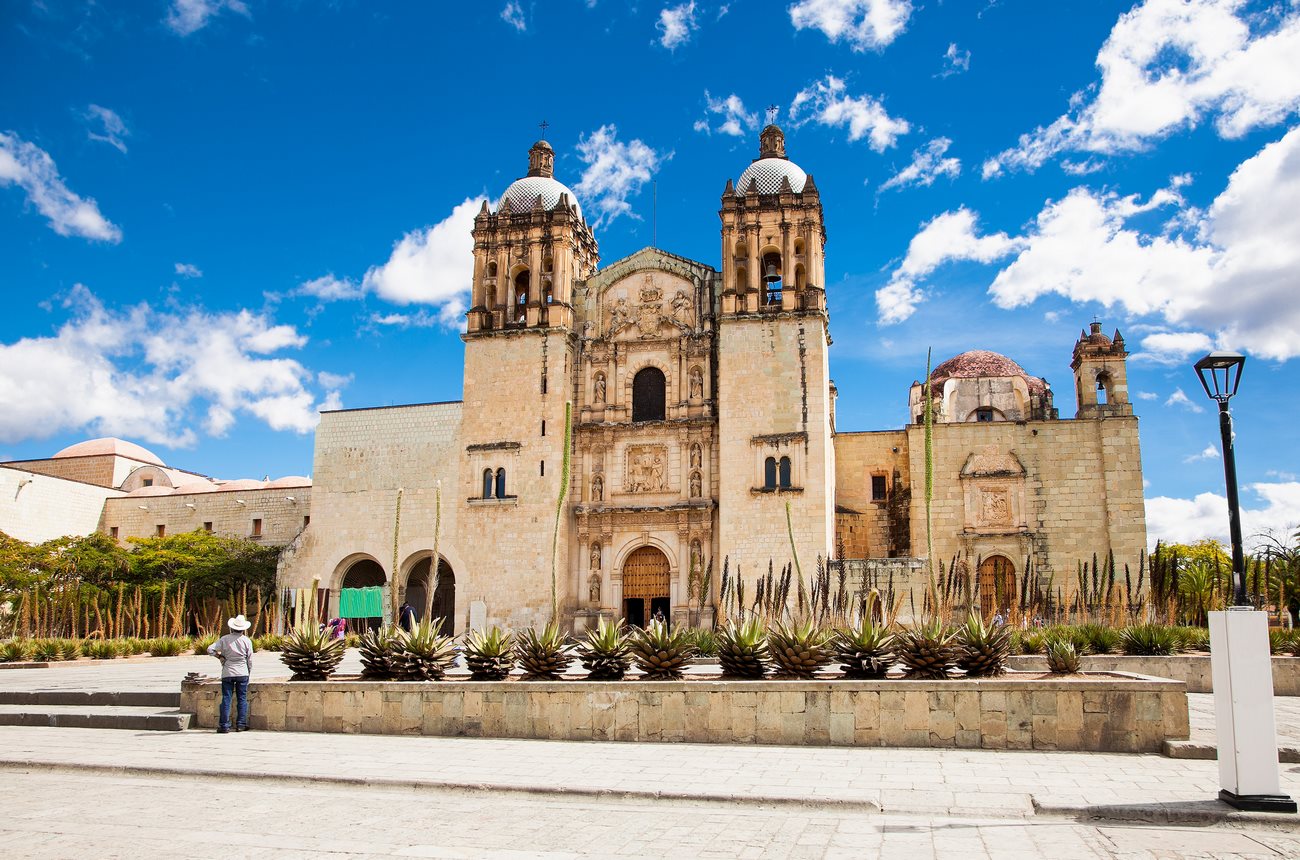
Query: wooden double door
x,y
646,582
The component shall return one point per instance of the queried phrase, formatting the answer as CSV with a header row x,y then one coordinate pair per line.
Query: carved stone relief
x,y
646,468
995,507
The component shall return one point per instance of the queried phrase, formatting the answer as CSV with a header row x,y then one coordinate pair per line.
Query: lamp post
x,y
1242,669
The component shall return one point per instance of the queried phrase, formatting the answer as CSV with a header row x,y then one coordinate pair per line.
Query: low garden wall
x,y
1099,713
1192,669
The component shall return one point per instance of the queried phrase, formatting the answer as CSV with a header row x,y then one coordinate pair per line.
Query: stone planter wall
x,y
1111,714
1192,669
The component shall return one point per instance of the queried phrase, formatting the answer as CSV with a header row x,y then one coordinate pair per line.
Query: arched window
x,y
501,483
648,394
784,468
769,473
772,275
522,281
492,269
487,483
798,247
1103,388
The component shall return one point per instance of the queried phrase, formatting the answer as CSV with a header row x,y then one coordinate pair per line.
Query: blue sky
x,y
217,217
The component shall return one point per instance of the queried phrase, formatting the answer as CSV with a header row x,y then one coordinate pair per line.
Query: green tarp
x,y
361,602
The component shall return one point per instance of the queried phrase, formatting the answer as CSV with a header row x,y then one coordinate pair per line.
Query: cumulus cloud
x,y
1173,347
1208,453
615,171
513,14
828,103
188,270
1276,511
1167,65
419,319
946,237
151,374
862,23
675,25
955,61
107,127
1180,400
1087,248
185,17
928,164
735,120
33,170
329,288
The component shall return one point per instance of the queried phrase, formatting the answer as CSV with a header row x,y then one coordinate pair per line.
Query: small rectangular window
x,y
543,383
879,488
543,426
306,521
112,532
160,530
207,526
148,482
983,415
543,468
257,527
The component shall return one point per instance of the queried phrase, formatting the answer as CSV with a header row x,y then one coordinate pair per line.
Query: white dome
x,y
523,192
768,173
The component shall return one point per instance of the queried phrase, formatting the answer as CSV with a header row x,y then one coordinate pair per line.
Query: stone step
x,y
131,718
91,698
1202,750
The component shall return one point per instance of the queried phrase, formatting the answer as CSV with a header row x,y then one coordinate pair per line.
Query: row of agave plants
x,y
748,649
53,649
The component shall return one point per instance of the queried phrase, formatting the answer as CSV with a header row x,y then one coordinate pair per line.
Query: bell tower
x,y
1100,366
774,388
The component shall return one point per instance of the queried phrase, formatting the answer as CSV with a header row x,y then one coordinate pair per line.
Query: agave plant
x,y
69,649
489,654
742,649
1033,642
380,650
982,648
1281,641
103,649
15,651
425,654
46,650
311,653
203,643
166,646
605,652
543,655
800,649
1101,639
662,653
1149,640
1062,657
864,651
927,650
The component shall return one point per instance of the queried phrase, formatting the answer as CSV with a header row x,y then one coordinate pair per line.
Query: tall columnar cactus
x,y
397,531
559,506
433,563
929,467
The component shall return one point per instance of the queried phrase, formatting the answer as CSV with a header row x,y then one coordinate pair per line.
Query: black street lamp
x,y
1220,374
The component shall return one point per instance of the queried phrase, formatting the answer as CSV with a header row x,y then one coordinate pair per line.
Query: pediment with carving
x,y
992,462
648,305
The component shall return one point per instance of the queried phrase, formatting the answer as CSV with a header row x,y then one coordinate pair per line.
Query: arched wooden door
x,y
645,585
997,585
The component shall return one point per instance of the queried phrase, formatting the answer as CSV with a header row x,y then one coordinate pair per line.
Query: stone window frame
x,y
502,460
778,447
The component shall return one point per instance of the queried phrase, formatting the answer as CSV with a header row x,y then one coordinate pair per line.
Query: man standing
x,y
235,651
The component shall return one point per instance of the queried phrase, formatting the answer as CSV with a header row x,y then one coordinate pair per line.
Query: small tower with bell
x,y
1100,366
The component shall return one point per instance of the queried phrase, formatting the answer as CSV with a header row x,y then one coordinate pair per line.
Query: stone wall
x,y
282,519
864,533
1192,669
1116,714
100,469
36,507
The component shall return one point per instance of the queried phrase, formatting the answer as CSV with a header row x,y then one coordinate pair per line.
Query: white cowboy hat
x,y
239,622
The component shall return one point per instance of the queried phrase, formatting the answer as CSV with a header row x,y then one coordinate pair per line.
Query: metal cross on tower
x,y
772,111
543,125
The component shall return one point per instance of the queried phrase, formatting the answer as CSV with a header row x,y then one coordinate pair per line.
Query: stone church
x,y
702,428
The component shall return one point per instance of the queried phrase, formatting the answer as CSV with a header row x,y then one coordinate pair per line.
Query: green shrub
x,y
15,651
103,649
69,649
269,642
202,643
352,640
705,642
1282,641
1076,636
134,646
1098,638
1149,640
167,646
1193,639
1033,642
46,650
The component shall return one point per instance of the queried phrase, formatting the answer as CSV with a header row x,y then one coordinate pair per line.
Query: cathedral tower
x,y
774,389
1100,366
520,347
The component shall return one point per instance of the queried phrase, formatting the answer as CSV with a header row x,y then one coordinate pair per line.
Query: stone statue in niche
x,y
697,383
593,589
696,488
697,556
995,509
598,389
645,468
682,309
595,555
598,489
695,456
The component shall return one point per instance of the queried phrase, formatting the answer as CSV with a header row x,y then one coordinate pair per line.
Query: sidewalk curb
x,y
605,794
1198,813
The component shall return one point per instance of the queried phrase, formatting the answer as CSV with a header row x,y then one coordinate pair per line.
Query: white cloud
x,y
736,121
329,288
1206,516
31,169
615,171
334,381
513,14
1168,64
1173,347
827,102
150,374
928,164
419,319
862,23
109,127
1180,399
189,16
955,61
675,24
1209,453
432,266
188,270
1246,245
946,237
1146,395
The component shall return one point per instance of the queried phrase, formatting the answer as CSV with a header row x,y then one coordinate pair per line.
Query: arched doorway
x,y
444,592
645,586
363,573
997,585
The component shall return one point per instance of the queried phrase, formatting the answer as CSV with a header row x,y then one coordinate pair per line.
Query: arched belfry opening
x,y
773,277
649,394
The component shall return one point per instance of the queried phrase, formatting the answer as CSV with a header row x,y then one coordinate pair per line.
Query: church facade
x,y
700,419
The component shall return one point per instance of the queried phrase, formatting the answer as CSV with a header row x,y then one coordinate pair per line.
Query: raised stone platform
x,y
1192,669
1100,713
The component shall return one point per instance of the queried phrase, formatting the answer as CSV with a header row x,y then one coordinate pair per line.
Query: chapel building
x,y
701,427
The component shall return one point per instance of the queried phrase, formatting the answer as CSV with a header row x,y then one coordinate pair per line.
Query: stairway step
x,y
147,719
91,698
1201,750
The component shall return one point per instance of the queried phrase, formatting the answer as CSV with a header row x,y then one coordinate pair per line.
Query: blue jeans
x,y
239,687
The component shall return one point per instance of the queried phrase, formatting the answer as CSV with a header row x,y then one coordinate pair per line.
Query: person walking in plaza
x,y
235,651
406,617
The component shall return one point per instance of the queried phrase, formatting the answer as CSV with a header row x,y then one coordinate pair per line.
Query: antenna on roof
x,y
772,111
543,125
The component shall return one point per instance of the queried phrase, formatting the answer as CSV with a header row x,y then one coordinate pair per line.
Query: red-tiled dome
x,y
982,363
110,445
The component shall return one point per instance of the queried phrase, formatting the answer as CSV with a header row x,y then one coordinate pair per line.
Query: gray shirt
x,y
236,653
